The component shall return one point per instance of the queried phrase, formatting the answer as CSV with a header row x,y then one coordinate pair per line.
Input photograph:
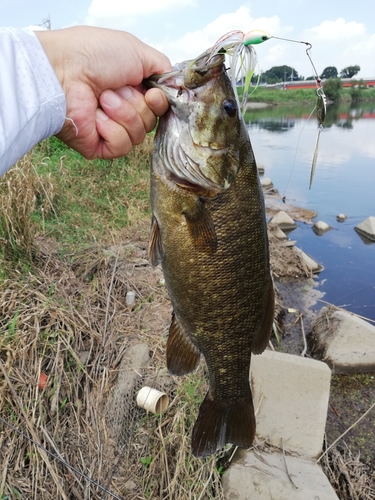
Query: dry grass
x,y
21,190
351,478
59,322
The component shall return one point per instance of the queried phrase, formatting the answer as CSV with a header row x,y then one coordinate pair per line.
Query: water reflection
x,y
283,140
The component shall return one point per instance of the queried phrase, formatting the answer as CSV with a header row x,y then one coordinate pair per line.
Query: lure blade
x,y
315,157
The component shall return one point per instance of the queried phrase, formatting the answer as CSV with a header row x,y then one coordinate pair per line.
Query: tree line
x,y
286,74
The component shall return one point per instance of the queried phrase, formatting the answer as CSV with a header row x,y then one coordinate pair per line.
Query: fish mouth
x,y
188,74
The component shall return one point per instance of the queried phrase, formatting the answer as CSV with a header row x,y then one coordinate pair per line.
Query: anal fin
x,y
182,355
223,422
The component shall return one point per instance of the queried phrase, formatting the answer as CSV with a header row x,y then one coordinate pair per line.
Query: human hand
x,y
101,72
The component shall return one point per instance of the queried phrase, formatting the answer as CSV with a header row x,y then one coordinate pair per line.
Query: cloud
x,y
122,13
337,30
195,42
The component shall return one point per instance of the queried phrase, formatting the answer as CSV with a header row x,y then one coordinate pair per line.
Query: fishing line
x,y
238,47
295,155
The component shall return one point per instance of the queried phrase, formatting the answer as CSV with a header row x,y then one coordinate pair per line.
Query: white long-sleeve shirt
x,y
32,101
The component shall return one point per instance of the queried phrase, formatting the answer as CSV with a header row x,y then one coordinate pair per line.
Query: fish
x,y
209,234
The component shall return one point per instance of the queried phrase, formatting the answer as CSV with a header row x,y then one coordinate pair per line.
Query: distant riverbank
x,y
265,96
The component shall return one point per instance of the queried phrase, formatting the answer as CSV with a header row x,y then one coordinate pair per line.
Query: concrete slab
x,y
270,476
122,401
344,341
291,396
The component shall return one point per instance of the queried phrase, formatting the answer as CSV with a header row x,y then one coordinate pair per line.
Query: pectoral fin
x,y
261,339
155,249
201,227
182,355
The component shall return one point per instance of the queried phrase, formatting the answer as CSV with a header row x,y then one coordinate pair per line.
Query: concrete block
x,y
291,396
341,217
344,341
283,220
311,264
266,182
367,228
270,476
321,227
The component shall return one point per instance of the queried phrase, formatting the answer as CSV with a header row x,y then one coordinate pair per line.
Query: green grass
x,y
278,96
306,96
55,192
93,197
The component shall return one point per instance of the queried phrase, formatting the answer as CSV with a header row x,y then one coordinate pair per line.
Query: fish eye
x,y
230,107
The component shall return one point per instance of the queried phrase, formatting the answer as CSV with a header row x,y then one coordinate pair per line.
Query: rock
x,y
341,217
367,228
130,485
261,169
321,227
311,264
269,476
291,396
266,182
283,220
344,341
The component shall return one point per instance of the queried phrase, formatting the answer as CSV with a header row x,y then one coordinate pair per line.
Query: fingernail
x,y
101,116
110,99
157,100
125,92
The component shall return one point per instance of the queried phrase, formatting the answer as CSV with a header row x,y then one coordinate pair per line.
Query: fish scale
x,y
211,241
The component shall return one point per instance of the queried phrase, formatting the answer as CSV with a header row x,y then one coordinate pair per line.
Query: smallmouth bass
x,y
209,234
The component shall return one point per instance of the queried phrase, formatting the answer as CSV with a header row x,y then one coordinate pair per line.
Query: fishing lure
x,y
321,109
238,47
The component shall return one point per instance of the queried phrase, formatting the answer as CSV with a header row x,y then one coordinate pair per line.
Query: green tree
x,y
349,71
332,88
356,90
281,74
329,72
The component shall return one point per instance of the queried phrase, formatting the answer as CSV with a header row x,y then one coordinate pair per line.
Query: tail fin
x,y
223,422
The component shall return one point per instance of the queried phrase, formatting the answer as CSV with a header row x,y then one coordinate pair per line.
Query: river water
x,y
283,141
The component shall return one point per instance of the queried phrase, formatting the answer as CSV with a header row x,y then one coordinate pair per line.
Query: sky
x,y
342,33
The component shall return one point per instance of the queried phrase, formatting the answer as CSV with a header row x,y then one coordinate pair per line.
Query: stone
x,y
266,182
310,263
261,169
283,220
291,396
367,228
321,227
341,217
271,476
344,341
